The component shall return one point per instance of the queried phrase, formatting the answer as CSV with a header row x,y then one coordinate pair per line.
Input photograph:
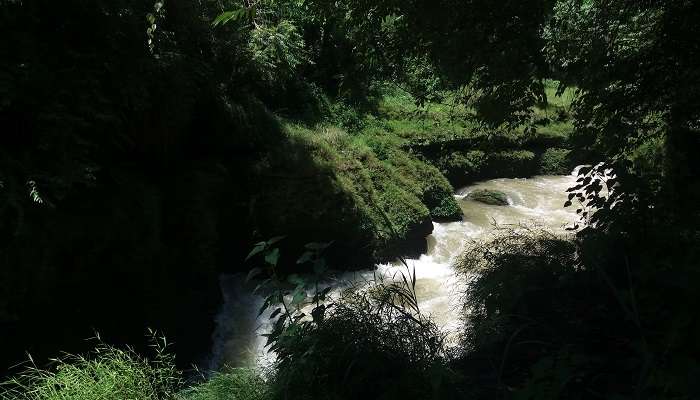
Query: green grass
x,y
107,374
373,178
450,138
367,346
110,373
230,384
360,190
376,169
397,113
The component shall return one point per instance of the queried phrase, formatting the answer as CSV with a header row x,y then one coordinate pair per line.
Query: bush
x,y
367,346
516,269
511,164
462,168
571,319
277,51
529,311
555,161
346,116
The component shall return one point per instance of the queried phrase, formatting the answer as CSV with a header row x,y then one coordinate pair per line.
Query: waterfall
x,y
539,200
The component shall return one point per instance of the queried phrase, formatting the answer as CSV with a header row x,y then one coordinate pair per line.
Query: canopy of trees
x,y
132,133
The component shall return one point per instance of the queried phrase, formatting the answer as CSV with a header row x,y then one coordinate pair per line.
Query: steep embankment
x,y
374,182
326,184
449,137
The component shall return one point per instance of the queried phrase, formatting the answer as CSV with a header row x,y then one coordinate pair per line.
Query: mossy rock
x,y
490,197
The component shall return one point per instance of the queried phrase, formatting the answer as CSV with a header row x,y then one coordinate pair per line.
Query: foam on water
x,y
238,340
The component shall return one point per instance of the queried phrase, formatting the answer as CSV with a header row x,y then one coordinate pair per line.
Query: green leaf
x,y
318,313
257,249
267,303
321,296
253,273
298,298
306,257
261,285
224,18
298,318
272,257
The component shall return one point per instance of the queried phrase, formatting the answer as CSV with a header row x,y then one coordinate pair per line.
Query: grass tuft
x,y
106,374
230,384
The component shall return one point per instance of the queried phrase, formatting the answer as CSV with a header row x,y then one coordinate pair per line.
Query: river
x,y
538,200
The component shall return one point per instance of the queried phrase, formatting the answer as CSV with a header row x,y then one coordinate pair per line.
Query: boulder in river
x,y
487,196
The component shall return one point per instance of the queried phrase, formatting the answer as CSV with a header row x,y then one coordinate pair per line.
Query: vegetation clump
x,y
229,384
192,129
556,161
364,348
108,373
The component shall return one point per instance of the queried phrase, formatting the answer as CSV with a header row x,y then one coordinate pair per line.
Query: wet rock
x,y
491,197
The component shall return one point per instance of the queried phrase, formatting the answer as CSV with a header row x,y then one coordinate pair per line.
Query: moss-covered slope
x,y
368,196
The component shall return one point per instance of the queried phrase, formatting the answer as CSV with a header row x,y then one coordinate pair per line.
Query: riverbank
x,y
372,180
438,290
537,202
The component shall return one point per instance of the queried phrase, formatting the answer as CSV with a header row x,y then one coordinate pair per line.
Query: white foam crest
x,y
439,289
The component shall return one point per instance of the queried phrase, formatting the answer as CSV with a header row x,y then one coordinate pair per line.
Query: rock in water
x,y
491,197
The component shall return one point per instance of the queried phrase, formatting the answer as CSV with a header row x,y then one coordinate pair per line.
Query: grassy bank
x,y
372,178
519,344
368,344
450,136
115,374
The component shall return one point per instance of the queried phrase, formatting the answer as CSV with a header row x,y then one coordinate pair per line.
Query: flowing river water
x,y
538,200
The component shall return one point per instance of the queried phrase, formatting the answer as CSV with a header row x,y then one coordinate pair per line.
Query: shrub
x,y
511,164
525,309
346,116
277,51
462,168
574,319
555,161
368,346
512,266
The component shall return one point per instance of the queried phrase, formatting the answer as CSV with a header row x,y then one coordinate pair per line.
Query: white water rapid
x,y
539,200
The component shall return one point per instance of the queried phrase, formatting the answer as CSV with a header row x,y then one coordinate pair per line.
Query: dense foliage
x,y
147,145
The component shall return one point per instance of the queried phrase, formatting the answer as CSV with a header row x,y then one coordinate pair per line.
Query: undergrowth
x,y
109,373
562,317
